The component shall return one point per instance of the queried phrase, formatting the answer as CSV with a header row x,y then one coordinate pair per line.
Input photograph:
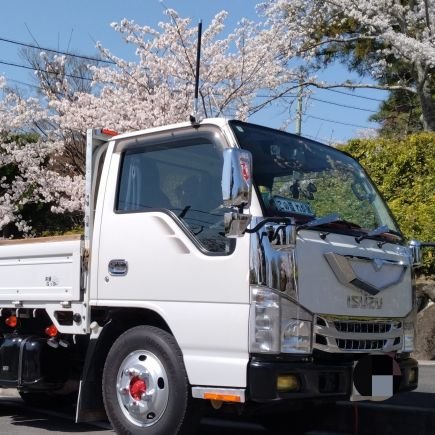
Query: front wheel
x,y
145,385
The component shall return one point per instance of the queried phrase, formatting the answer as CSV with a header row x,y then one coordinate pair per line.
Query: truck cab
x,y
223,262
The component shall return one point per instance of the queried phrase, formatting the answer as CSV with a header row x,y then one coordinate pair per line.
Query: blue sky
x,y
76,26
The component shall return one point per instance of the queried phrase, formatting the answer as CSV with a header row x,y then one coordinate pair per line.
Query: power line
x,y
23,83
326,102
310,136
66,53
341,92
288,96
337,122
308,116
352,95
343,105
332,90
32,86
44,71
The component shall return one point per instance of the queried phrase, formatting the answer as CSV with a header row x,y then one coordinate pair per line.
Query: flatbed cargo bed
x,y
41,269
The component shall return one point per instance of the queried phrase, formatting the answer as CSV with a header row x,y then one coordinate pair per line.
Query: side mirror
x,y
416,255
237,178
236,190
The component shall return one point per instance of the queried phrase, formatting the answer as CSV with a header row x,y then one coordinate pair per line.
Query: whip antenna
x,y
194,117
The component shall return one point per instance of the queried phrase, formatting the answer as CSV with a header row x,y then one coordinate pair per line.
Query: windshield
x,y
304,179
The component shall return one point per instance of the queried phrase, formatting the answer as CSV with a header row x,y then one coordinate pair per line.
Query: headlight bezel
x,y
282,313
409,333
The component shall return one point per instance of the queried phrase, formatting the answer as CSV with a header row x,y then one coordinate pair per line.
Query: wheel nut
x,y
146,397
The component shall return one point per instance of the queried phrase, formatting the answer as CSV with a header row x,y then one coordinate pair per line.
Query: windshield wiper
x,y
383,229
324,220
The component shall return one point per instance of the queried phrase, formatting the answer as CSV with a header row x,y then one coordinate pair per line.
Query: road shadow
x,y
19,418
414,399
46,424
405,414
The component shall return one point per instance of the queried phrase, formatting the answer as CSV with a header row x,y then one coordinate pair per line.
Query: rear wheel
x,y
145,385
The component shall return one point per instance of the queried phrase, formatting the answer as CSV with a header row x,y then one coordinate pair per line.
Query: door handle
x,y
118,267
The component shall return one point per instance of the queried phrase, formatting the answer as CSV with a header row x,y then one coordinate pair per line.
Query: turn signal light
x,y
51,331
11,321
222,397
109,132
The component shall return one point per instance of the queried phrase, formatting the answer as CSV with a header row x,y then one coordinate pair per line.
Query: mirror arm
x,y
286,221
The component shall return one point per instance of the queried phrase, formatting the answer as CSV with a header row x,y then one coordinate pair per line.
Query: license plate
x,y
375,377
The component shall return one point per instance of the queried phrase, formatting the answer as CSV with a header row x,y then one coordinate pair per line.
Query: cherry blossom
x,y
155,89
400,30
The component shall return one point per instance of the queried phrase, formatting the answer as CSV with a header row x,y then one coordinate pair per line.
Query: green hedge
x,y
404,171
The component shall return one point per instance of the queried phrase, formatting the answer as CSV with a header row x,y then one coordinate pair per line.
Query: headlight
x,y
296,336
264,321
277,324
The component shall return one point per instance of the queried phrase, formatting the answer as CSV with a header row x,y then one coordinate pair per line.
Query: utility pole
x,y
299,110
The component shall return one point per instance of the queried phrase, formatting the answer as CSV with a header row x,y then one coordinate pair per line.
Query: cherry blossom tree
x,y
154,90
372,35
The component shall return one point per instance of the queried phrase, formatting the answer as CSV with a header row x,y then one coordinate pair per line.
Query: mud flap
x,y
90,405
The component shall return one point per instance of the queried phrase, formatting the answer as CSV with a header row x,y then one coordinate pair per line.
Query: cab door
x,y
162,246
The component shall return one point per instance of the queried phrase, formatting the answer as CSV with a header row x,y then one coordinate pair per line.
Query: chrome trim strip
x,y
346,275
272,258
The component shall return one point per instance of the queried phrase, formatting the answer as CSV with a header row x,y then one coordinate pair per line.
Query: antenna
x,y
194,116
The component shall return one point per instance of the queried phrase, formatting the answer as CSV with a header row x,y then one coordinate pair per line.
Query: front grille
x,y
346,344
333,334
363,327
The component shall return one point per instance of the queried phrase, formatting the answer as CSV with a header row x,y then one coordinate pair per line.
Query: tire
x,y
145,385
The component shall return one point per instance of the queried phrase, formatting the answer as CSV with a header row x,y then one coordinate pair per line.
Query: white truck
x,y
222,262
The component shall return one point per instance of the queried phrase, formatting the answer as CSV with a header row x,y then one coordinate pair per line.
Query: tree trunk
x,y
424,93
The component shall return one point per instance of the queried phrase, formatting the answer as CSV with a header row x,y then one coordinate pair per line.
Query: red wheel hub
x,y
137,388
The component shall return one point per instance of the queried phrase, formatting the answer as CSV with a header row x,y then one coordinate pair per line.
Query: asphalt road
x,y
18,419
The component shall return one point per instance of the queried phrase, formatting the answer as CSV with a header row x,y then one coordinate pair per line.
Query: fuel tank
x,y
29,362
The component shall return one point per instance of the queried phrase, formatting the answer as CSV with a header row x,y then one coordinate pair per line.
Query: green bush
x,y
404,171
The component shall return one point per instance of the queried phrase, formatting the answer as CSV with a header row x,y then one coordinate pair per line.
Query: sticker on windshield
x,y
292,206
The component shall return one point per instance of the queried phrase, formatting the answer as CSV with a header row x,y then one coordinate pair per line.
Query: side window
x,y
140,184
183,177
